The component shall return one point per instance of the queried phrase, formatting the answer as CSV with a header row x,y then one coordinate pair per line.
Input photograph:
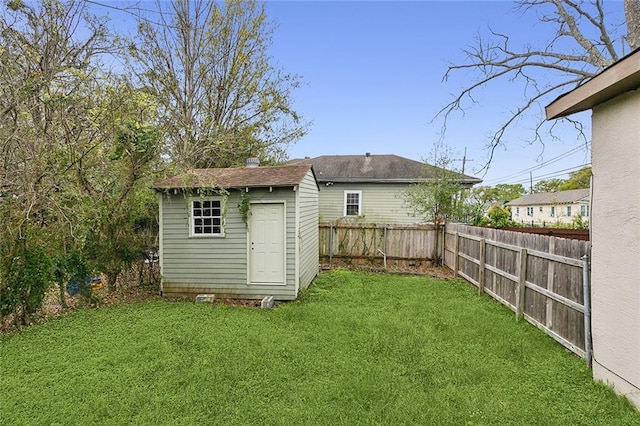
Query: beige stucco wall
x,y
615,224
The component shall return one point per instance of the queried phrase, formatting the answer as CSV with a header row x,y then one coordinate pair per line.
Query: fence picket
x,y
540,277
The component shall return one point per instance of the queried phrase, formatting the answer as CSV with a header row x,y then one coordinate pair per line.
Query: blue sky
x,y
372,82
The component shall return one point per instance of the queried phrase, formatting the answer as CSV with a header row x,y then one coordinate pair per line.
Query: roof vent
x,y
367,154
252,162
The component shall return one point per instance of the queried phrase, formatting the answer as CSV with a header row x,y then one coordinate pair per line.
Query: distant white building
x,y
550,208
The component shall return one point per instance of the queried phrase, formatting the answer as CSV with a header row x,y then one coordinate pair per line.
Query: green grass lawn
x,y
356,349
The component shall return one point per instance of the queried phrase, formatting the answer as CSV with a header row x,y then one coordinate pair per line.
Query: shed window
x,y
206,218
352,203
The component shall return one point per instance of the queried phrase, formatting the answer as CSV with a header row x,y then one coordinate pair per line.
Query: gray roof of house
x,y
375,168
237,177
561,197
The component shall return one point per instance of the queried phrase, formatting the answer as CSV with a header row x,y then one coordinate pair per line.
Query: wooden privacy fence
x,y
381,243
543,279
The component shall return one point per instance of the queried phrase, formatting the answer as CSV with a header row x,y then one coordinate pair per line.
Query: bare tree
x,y
220,97
547,71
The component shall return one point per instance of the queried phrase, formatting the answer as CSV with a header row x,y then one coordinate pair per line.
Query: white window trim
x,y
344,203
192,233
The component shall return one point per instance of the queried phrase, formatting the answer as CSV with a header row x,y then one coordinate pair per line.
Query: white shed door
x,y
267,244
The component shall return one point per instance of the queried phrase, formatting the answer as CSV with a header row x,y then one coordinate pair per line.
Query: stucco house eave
x,y
621,77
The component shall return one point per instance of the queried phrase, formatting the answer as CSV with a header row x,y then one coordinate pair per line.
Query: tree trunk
x,y
61,295
112,278
632,15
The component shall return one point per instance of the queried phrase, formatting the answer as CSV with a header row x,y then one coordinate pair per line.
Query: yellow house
x,y
551,208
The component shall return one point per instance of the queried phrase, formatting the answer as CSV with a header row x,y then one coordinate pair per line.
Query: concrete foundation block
x,y
267,302
205,298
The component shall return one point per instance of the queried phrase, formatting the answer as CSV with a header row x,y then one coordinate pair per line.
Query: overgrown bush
x,y
498,217
26,271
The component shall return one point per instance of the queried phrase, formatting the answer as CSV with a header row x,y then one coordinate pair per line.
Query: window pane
x,y
207,217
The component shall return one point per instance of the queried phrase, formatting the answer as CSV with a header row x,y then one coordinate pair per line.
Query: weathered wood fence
x,y
543,279
380,243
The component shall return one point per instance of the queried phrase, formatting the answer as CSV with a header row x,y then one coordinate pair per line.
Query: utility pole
x,y
462,190
530,183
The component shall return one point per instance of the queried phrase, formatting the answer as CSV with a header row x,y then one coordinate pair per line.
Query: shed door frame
x,y
251,233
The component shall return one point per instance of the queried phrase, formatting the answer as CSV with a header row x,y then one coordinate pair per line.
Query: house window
x,y
584,210
568,210
553,212
540,209
517,211
529,211
206,217
352,203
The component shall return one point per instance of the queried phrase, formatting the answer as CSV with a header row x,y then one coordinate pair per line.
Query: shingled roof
x,y
561,197
239,177
375,168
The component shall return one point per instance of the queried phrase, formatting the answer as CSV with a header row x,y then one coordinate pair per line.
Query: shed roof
x,y
561,197
237,177
375,168
620,77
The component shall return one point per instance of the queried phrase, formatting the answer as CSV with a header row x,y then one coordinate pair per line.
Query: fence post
x,y
483,247
586,286
330,244
550,281
522,278
456,244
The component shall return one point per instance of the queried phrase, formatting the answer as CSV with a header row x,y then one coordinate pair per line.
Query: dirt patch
x,y
52,306
402,268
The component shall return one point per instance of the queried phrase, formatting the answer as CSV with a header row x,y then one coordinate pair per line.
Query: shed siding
x,y
308,235
615,244
381,202
219,265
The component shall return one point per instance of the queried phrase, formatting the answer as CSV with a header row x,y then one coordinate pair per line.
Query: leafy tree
x,y
45,63
585,41
550,185
498,217
439,198
500,193
443,197
580,179
221,99
76,152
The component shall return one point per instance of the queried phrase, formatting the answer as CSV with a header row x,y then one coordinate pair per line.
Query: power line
x,y
554,174
133,11
537,167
